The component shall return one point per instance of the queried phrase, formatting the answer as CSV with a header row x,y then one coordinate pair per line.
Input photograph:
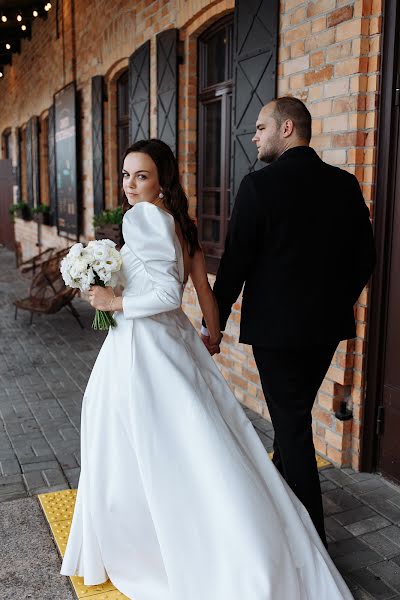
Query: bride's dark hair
x,y
175,199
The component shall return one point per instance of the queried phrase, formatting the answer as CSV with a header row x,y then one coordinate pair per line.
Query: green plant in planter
x,y
108,225
41,209
41,213
20,209
109,217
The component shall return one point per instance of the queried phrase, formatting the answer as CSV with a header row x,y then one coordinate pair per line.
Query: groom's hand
x,y
212,345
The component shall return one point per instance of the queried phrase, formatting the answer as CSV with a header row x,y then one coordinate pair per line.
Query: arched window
x,y
214,136
122,118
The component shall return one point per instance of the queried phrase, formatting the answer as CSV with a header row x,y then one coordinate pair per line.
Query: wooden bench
x,y
48,293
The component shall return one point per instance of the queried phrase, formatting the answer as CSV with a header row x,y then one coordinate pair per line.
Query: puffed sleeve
x,y
149,232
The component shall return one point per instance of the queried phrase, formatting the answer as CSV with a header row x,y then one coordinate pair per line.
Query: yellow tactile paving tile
x,y
321,462
58,508
105,591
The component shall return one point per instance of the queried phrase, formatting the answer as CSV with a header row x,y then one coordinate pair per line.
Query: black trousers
x,y
290,379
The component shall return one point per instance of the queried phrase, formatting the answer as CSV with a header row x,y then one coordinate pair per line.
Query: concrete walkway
x,y
43,373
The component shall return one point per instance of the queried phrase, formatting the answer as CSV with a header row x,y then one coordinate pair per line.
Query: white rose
x,y
100,252
109,243
101,272
65,267
115,254
78,267
88,254
76,250
111,264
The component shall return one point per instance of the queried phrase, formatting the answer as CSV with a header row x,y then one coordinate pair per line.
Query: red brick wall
x,y
329,56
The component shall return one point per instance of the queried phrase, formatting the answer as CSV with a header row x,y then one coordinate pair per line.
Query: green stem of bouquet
x,y
103,319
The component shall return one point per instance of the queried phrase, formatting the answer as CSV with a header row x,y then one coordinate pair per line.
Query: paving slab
x,y
29,561
43,373
372,584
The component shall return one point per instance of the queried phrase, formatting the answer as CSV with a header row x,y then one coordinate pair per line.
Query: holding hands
x,y
212,343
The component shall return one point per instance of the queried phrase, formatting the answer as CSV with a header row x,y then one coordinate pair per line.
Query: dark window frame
x,y
122,117
44,197
7,142
221,93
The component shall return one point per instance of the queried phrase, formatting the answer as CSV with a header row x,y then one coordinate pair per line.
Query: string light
x,y
35,14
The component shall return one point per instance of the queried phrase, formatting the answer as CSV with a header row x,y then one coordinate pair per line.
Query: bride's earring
x,y
161,195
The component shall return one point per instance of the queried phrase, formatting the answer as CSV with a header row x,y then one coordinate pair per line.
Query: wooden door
x,y
389,417
6,199
381,424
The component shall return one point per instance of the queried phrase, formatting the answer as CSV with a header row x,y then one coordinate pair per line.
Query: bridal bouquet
x,y
96,264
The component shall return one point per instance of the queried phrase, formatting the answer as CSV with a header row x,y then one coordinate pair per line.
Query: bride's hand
x,y
101,297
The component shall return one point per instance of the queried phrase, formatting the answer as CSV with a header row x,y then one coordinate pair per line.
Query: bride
x,y
177,497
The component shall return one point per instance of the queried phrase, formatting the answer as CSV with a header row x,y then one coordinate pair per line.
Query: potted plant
x,y
20,210
41,214
108,225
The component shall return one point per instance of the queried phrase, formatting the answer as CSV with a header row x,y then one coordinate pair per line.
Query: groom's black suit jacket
x,y
301,242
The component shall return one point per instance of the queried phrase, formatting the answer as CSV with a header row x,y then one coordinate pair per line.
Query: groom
x,y
300,241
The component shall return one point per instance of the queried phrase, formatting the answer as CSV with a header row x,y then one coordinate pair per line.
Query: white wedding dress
x,y
177,497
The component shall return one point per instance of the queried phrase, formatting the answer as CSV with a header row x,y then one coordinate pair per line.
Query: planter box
x,y
42,218
110,232
24,213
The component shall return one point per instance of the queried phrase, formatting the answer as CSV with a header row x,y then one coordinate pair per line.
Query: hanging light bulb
x,y
8,46
1,74
35,13
19,17
47,6
23,27
4,18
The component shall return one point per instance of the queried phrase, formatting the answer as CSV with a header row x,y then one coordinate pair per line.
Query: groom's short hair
x,y
294,109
